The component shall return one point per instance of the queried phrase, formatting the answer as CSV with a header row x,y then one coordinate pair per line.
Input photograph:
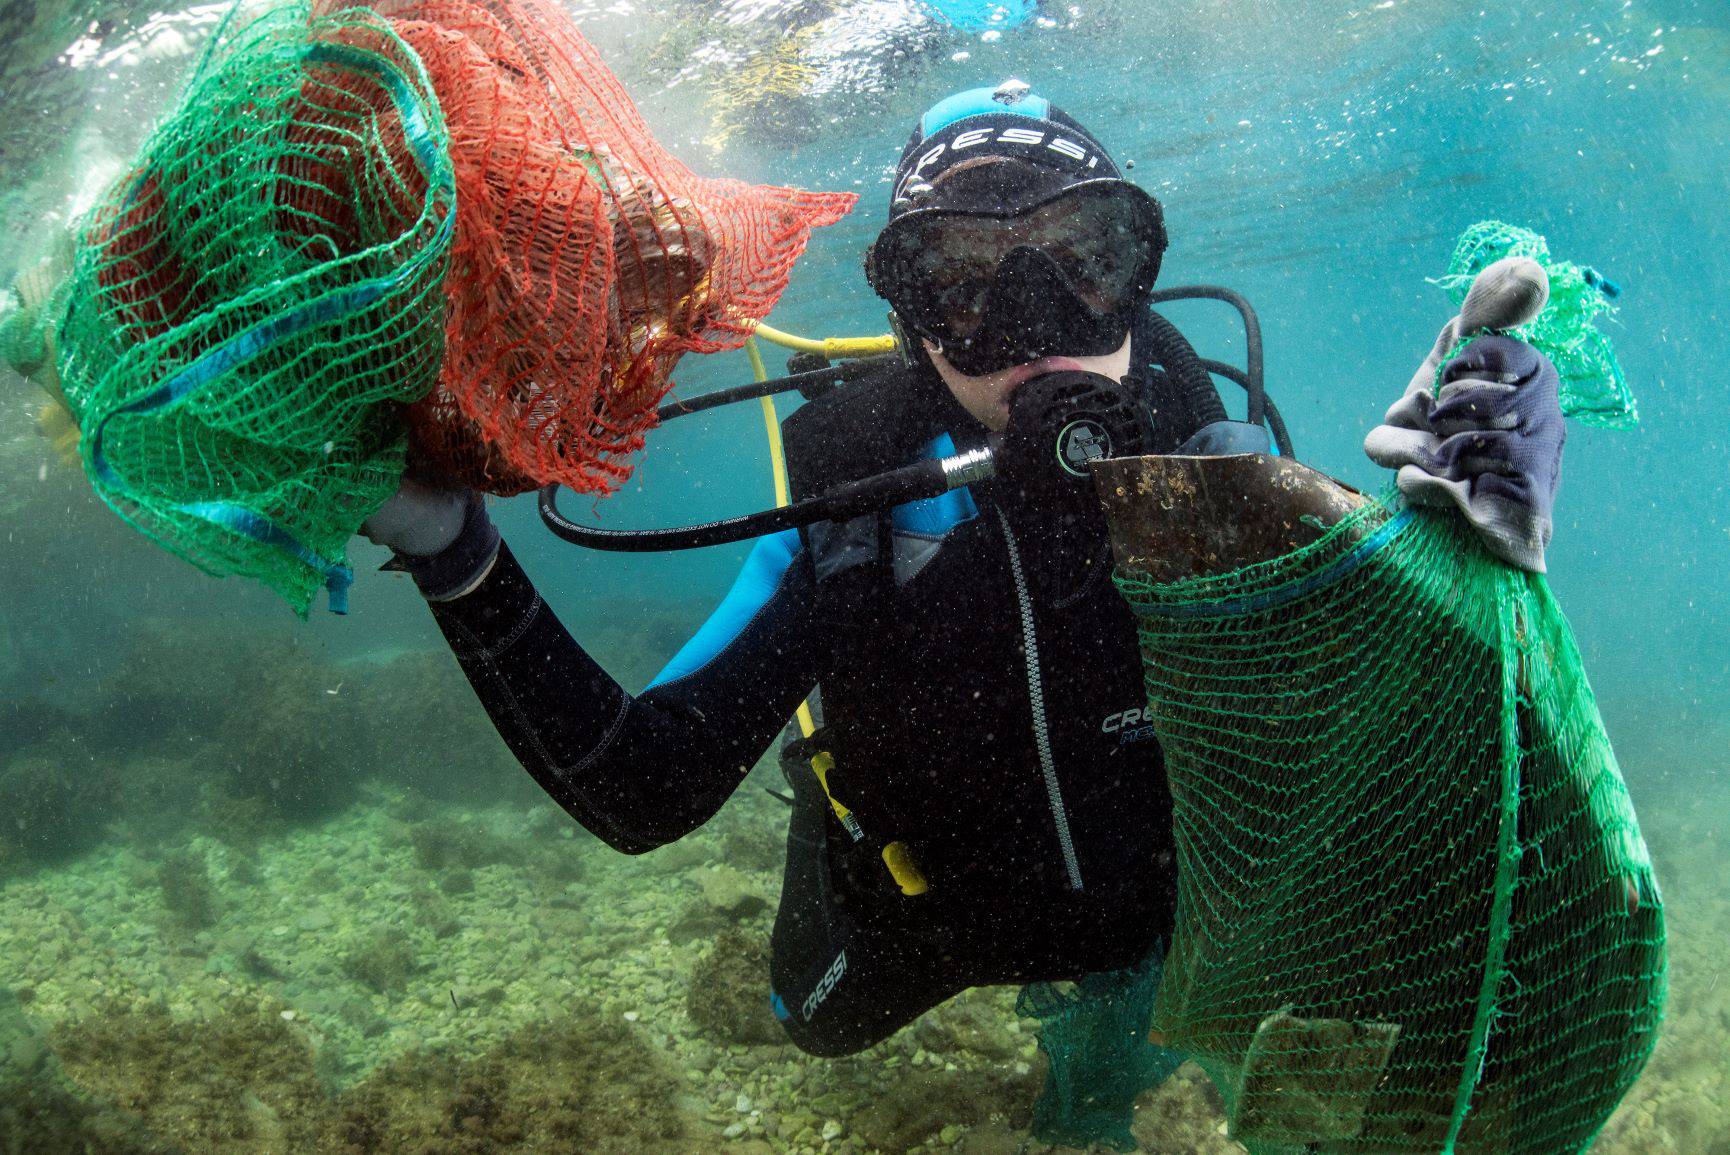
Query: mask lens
x,y
941,265
1100,241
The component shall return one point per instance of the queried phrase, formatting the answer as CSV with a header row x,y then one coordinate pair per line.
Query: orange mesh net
x,y
586,259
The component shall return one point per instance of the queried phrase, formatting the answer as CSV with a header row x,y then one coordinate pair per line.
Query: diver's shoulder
x,y
875,421
876,396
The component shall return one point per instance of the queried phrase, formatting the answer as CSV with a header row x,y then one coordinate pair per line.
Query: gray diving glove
x,y
442,537
1488,440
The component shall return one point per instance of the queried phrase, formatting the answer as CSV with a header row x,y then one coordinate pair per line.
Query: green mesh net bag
x,y
250,304
1594,391
1415,911
1094,1035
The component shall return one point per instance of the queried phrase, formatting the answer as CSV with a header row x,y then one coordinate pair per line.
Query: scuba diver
x,y
982,802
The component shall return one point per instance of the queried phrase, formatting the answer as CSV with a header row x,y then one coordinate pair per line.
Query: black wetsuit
x,y
981,696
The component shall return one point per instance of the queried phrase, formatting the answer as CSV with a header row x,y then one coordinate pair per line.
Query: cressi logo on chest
x,y
1129,725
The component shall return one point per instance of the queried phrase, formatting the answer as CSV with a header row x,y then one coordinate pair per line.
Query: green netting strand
x,y
250,303
1594,390
1094,1035
1415,909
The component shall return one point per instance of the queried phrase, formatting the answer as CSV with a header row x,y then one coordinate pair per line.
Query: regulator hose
x,y
1172,350
927,478
1252,378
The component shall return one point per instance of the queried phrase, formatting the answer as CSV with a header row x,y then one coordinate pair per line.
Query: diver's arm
x,y
639,772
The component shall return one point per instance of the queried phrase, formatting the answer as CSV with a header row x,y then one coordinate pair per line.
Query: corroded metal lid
x,y
1180,517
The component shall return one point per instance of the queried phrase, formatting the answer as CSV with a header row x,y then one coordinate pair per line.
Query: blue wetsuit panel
x,y
756,584
768,561
935,516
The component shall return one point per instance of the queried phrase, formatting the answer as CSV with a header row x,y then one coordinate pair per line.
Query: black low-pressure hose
x,y
810,383
1251,332
655,540
1172,350
927,478
1275,422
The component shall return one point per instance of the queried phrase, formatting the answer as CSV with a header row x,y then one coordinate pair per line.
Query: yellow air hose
x,y
834,348
895,855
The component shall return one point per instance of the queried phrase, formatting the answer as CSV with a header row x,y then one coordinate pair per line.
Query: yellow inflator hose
x,y
895,855
833,348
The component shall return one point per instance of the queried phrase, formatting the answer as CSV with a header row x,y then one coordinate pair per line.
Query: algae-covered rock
x,y
54,802
758,846
40,1111
435,912
580,1084
186,890
157,794
242,1081
928,1101
419,702
263,717
695,921
729,997
442,844
1184,1113
968,1024
458,880
729,892
384,961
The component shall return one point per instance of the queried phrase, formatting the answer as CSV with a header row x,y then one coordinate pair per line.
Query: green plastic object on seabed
x,y
23,338
1594,390
1416,913
29,311
249,305
1094,1036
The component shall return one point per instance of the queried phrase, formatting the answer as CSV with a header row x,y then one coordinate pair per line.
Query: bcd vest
x,y
991,768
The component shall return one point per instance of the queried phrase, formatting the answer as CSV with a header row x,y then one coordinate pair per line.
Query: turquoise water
x,y
1319,157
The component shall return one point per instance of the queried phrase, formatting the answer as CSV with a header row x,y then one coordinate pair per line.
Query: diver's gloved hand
x,y
1488,439
440,536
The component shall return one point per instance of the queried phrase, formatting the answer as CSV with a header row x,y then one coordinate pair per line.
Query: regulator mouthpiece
x,y
1061,423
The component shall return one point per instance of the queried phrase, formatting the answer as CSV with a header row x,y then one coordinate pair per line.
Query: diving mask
x,y
1065,274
